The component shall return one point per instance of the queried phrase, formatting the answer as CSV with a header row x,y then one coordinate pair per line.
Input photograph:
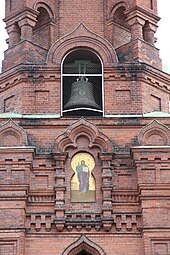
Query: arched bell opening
x,y
82,84
120,17
41,31
119,25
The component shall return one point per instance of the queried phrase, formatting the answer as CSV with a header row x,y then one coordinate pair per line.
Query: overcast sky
x,y
163,33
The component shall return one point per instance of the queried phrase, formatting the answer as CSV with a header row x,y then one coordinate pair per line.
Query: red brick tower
x,y
84,130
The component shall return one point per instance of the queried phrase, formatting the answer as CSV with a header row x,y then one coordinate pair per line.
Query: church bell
x,y
81,95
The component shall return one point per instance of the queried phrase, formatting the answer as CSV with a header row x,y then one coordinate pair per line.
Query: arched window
x,y
82,84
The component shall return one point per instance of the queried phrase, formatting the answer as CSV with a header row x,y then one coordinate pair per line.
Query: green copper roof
x,y
156,114
13,115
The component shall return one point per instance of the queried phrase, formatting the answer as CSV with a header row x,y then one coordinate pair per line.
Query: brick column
x,y
149,33
106,191
60,188
14,35
26,24
136,25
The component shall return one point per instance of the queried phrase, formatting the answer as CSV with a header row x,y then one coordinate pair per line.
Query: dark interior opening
x,y
82,63
83,252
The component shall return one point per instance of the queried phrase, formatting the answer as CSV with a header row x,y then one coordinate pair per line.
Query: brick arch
x,y
155,133
12,135
43,26
83,243
82,128
42,4
82,37
117,5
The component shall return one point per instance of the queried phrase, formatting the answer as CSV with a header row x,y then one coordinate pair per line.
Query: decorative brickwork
x,y
12,135
154,133
79,128
82,37
83,243
93,178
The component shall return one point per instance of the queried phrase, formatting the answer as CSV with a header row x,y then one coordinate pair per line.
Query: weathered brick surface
x,y
130,212
29,200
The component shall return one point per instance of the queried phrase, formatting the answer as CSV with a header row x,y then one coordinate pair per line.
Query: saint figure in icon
x,y
83,176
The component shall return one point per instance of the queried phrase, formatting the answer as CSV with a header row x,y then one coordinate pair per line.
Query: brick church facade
x,y
84,130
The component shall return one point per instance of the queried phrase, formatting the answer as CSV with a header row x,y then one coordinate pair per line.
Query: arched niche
x,y
82,137
12,135
154,134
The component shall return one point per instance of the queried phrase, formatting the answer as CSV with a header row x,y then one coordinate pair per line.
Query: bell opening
x,y
82,95
82,84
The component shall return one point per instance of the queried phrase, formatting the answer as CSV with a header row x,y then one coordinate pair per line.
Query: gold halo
x,y
89,160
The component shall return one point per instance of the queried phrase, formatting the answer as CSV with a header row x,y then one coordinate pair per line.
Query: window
x,y
82,92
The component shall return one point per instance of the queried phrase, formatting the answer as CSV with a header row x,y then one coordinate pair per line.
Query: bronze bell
x,y
81,95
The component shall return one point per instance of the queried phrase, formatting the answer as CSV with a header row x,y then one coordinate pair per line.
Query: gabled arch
x,y
83,243
87,129
82,37
12,135
155,133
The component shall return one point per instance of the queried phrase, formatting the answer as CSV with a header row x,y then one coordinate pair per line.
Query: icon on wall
x,y
82,182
